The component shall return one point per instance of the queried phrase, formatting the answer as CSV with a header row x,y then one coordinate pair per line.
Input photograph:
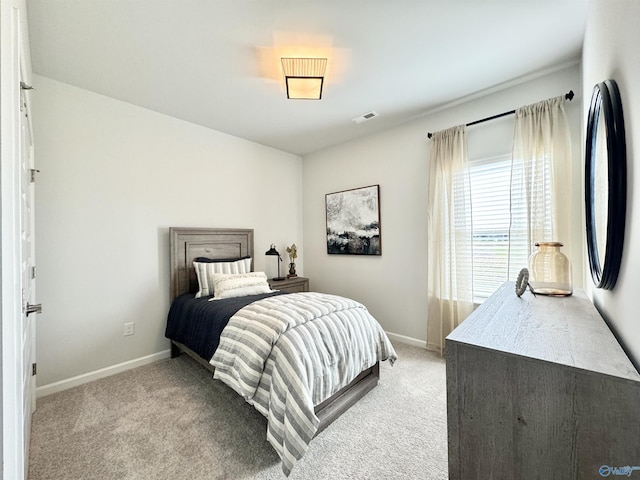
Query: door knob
x,y
36,308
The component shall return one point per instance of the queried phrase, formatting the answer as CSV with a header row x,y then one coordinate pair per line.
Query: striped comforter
x,y
287,353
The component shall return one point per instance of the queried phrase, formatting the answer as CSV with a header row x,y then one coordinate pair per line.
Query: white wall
x,y
393,286
114,177
611,51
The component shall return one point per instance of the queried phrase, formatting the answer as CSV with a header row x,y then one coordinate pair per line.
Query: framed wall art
x,y
353,221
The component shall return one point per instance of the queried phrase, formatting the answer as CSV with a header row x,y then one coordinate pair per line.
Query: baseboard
x,y
103,372
50,388
416,342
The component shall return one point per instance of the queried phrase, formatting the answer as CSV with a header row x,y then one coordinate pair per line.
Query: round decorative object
x,y
550,270
522,282
605,184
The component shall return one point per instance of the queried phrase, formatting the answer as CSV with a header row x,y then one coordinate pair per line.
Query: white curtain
x,y
541,179
449,243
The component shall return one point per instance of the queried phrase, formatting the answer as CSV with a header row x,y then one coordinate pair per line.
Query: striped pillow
x,y
240,285
206,271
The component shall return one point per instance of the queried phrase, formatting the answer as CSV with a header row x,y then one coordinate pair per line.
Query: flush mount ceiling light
x,y
304,77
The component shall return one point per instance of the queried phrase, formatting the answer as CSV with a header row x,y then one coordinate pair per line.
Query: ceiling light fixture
x,y
304,77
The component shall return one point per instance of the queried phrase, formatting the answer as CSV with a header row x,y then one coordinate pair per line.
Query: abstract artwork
x,y
353,221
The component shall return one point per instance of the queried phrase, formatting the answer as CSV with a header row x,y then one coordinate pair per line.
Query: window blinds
x,y
500,220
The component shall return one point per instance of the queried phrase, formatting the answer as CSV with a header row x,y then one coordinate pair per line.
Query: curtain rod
x,y
567,96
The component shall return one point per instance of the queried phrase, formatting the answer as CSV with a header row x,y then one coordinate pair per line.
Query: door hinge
x,y
33,272
34,369
24,86
33,174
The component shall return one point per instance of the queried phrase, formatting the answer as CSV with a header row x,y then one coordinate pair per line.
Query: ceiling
x,y
216,63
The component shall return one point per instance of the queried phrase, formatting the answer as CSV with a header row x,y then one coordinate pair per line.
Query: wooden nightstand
x,y
290,285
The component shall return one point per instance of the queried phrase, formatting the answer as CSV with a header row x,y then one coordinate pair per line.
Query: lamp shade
x,y
272,251
304,77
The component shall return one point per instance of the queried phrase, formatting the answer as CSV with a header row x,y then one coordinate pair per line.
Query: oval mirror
x,y
605,183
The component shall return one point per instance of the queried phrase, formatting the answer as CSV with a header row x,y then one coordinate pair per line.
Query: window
x,y
498,217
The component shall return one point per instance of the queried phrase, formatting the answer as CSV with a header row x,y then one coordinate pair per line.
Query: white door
x,y
16,242
28,272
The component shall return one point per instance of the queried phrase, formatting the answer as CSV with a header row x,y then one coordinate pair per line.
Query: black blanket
x,y
198,323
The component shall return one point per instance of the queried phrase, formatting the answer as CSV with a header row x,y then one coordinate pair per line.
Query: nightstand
x,y
290,285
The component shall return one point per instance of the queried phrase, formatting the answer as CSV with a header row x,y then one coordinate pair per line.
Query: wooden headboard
x,y
190,243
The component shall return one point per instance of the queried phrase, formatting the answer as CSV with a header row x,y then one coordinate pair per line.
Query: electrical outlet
x,y
128,328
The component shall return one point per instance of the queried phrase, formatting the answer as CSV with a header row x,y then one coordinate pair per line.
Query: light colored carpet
x,y
171,420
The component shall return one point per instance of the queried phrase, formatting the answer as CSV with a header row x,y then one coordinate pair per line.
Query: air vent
x,y
364,117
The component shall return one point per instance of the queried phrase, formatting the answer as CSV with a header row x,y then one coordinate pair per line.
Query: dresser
x,y
290,285
539,388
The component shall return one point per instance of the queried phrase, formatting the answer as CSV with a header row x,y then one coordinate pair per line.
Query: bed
x,y
188,244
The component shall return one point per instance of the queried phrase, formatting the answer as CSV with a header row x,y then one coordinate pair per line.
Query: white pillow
x,y
240,285
206,270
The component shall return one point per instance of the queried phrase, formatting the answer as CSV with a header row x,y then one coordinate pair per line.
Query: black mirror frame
x,y
605,100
